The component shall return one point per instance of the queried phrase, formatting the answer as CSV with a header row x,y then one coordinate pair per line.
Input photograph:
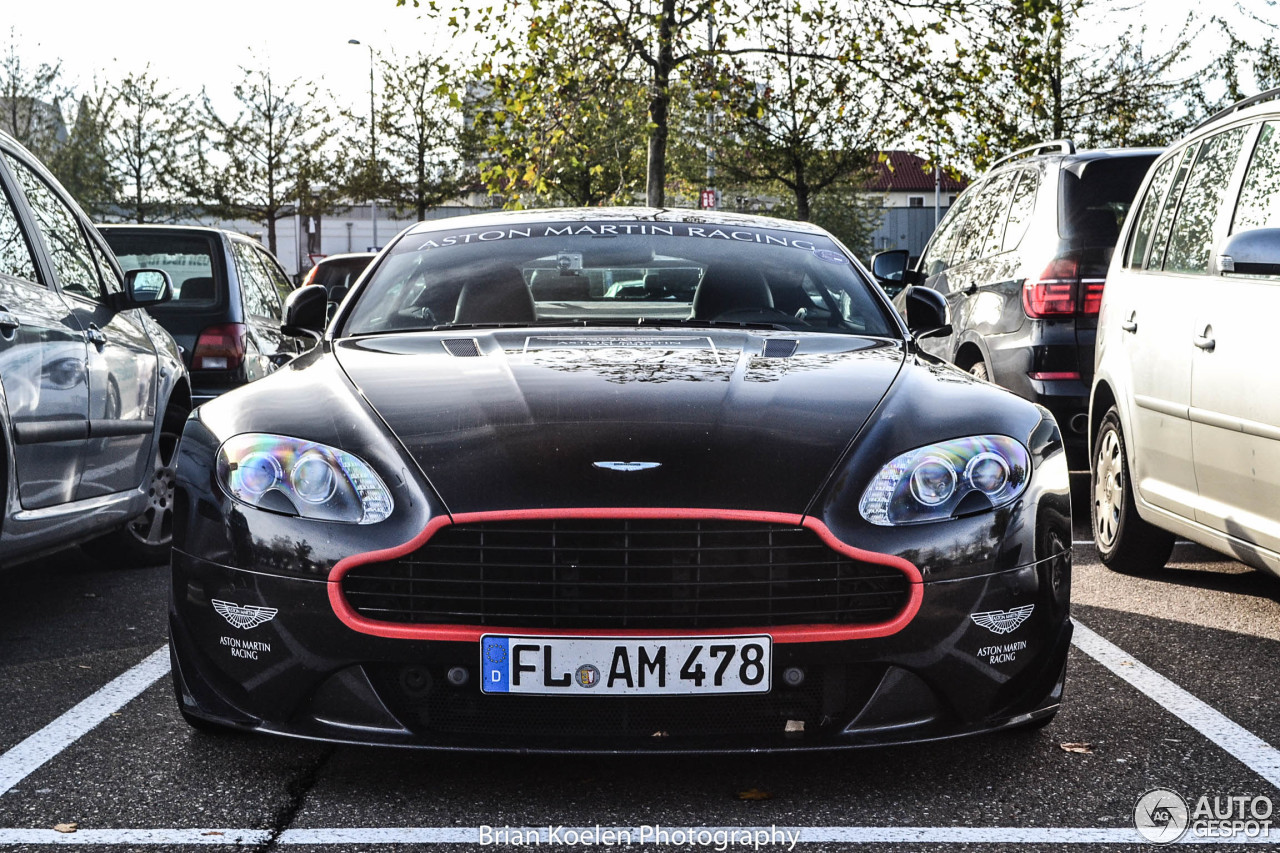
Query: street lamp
x,y
373,145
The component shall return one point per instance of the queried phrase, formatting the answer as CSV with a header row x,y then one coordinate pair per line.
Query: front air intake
x,y
462,347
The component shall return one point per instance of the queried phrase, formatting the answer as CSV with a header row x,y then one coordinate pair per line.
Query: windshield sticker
x,y
830,256
621,229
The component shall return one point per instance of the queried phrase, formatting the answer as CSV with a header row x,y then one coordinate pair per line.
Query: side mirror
x,y
146,287
890,266
927,312
1254,252
304,312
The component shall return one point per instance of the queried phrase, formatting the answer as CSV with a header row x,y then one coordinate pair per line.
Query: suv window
x,y
1160,241
256,290
938,255
1191,241
1024,203
187,258
985,227
15,253
1259,205
1148,212
72,259
1096,196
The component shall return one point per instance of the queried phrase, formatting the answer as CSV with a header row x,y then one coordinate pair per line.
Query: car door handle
x,y
1205,343
9,321
94,336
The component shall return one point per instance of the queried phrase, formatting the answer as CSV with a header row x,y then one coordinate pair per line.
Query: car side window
x,y
1259,205
279,280
1024,204
1147,213
73,261
108,273
938,256
1160,240
986,220
15,252
259,296
1191,240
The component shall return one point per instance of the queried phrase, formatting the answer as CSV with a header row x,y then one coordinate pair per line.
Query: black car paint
x,y
308,674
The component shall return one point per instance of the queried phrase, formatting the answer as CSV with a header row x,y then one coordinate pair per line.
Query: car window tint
x,y
937,256
278,279
1191,240
107,272
15,253
257,292
1160,239
1024,202
985,226
1259,205
73,262
1148,212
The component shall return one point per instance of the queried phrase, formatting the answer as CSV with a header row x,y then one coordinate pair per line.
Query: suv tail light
x,y
1060,292
220,347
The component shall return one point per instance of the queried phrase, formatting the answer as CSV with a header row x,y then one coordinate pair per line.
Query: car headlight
x,y
303,478
948,479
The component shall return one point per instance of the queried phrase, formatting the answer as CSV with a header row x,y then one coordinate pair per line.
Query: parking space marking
x,y
111,837
1255,753
25,758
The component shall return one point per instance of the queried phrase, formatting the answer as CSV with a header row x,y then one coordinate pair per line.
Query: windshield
x,y
617,273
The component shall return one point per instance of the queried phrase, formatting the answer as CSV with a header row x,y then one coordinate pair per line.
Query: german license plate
x,y
625,666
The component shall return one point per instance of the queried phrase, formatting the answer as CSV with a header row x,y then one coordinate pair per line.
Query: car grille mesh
x,y
626,573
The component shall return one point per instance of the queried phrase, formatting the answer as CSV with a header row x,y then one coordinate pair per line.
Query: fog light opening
x,y
793,676
458,676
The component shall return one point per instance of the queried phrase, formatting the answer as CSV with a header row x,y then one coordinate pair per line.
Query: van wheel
x,y
1124,540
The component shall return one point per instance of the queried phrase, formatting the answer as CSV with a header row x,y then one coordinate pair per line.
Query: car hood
x,y
516,420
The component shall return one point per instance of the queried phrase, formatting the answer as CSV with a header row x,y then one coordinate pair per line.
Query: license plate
x,y
625,666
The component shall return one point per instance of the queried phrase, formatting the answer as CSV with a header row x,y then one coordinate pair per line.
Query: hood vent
x,y
462,347
780,348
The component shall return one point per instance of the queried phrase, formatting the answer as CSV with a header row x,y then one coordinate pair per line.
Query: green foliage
x,y
145,141
30,101
82,163
850,214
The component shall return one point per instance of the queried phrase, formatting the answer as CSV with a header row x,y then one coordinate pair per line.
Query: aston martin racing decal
x,y
244,616
1003,621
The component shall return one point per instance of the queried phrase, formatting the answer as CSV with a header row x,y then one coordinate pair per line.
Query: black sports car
x,y
620,479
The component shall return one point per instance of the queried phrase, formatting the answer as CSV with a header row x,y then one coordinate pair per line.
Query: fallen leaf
x,y
66,827
755,794
1083,748
660,734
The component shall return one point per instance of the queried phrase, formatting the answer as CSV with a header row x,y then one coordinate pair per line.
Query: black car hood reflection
x,y
519,418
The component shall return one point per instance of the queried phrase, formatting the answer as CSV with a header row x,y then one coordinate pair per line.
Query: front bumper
x,y
305,674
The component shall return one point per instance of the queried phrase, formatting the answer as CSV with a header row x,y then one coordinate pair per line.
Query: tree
x,y
267,159
561,122
30,101
421,133
147,141
797,114
1044,84
82,162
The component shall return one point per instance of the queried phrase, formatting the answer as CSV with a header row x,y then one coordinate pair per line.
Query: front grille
x,y
626,573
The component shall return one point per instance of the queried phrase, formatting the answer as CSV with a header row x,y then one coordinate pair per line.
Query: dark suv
x,y
228,297
1021,258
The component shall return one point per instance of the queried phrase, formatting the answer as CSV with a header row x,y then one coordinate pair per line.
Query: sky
x,y
192,45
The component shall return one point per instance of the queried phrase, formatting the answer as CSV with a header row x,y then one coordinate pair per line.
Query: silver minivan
x,y
1185,403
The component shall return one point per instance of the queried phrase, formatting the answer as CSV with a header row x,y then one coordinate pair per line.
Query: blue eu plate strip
x,y
495,662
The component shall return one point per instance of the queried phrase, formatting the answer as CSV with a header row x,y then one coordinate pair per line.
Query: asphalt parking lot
x,y
1172,684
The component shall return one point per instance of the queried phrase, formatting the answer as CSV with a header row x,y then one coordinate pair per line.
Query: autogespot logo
x,y
1161,816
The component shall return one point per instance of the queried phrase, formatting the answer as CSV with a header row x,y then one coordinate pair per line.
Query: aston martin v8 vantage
x,y
619,479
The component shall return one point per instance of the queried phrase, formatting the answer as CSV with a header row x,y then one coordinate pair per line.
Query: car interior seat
x,y
497,294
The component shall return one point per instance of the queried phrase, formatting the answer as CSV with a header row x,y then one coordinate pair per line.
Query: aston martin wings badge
x,y
244,616
1003,621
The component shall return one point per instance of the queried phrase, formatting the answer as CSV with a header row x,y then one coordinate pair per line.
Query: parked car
x,y
1185,408
509,505
338,272
228,297
1022,258
94,391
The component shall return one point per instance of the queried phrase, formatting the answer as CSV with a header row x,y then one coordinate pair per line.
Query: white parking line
x,y
23,759
1255,753
166,837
